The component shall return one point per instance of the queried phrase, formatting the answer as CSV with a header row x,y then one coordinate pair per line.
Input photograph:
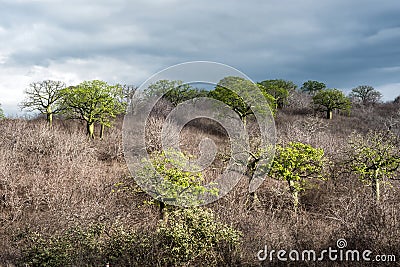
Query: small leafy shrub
x,y
71,248
193,237
190,236
166,177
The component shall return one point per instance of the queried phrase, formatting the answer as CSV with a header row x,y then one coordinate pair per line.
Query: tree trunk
x,y
329,114
376,186
49,114
50,119
163,211
250,169
251,200
90,130
244,120
295,195
102,131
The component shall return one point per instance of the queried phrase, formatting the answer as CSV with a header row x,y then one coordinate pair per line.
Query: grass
x,y
56,179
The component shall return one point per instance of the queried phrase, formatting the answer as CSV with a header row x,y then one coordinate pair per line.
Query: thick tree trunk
x,y
102,131
49,114
329,114
244,120
163,212
376,186
90,130
50,119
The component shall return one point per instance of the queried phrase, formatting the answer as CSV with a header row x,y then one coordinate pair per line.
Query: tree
x,y
365,94
174,91
177,185
280,90
93,102
374,157
296,164
128,92
224,92
397,100
330,99
44,96
312,87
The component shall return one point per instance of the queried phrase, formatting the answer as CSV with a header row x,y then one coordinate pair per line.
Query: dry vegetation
x,y
56,179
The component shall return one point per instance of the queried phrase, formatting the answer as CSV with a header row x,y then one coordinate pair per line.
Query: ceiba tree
x,y
45,97
296,164
329,100
226,90
365,95
374,157
94,102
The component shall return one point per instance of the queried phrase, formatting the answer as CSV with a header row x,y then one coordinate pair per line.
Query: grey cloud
x,y
343,43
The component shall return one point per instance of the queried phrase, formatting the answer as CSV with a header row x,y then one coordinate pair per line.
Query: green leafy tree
x,y
45,97
174,91
312,87
329,100
280,90
365,94
374,157
296,163
223,92
178,185
93,102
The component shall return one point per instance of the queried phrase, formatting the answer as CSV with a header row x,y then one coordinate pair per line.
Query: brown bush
x,y
52,180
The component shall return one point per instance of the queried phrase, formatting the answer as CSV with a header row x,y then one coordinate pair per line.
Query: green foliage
x,y
312,87
191,236
330,99
124,246
178,185
74,246
374,157
224,92
174,91
365,94
45,97
194,237
94,101
296,163
280,90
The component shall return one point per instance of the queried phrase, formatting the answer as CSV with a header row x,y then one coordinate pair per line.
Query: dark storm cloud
x,y
343,43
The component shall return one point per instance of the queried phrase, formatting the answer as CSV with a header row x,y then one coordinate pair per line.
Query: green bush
x,y
71,248
194,237
191,236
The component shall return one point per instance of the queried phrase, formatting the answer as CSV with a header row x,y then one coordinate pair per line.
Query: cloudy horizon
x,y
341,43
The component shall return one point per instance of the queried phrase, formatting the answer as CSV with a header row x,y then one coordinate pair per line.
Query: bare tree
x,y
45,97
365,94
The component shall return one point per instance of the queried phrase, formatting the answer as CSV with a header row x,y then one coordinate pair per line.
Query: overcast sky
x,y
340,42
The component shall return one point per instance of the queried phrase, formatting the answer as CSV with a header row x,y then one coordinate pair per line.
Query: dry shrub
x,y
56,179
52,179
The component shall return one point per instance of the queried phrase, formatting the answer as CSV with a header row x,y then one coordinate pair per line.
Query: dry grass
x,y
52,179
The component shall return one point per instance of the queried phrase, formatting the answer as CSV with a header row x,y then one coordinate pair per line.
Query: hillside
x,y
66,199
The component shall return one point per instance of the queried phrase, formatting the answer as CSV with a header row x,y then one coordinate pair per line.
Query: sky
x,y
339,42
